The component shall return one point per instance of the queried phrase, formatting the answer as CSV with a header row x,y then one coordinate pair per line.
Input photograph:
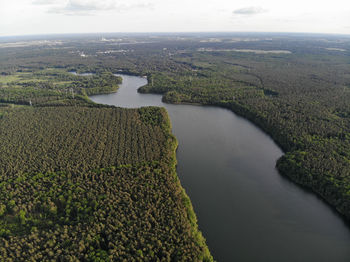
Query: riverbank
x,y
227,166
326,187
191,215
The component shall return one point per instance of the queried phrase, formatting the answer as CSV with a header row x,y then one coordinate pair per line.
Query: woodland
x,y
294,87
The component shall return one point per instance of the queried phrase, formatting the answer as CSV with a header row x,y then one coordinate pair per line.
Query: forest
x,y
89,183
294,87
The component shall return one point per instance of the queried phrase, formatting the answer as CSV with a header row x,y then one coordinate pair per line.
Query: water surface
x,y
245,209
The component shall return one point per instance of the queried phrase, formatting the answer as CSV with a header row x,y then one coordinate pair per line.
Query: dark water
x,y
245,209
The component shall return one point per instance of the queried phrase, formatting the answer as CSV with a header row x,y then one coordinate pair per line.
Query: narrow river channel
x,y
245,209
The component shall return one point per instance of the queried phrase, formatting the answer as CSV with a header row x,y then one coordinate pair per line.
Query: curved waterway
x,y
245,209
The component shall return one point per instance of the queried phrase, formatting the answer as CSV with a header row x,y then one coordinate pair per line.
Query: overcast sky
x,y
23,17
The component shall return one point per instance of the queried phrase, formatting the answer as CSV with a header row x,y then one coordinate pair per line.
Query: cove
x,y
245,209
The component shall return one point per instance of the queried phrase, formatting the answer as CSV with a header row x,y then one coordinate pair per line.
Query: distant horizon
x,y
177,33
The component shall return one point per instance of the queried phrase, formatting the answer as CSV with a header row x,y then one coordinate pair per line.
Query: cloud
x,y
91,7
252,10
44,2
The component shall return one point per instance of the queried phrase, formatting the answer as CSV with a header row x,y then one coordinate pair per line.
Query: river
x,y
245,209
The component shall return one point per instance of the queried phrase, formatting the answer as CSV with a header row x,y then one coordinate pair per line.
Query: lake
x,y
245,209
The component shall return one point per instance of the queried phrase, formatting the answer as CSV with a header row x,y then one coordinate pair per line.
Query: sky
x,y
32,17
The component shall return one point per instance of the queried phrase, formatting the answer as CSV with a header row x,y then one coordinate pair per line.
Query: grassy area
x,y
54,86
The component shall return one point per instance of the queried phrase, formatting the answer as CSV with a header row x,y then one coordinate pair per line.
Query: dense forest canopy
x,y
295,87
88,182
93,184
